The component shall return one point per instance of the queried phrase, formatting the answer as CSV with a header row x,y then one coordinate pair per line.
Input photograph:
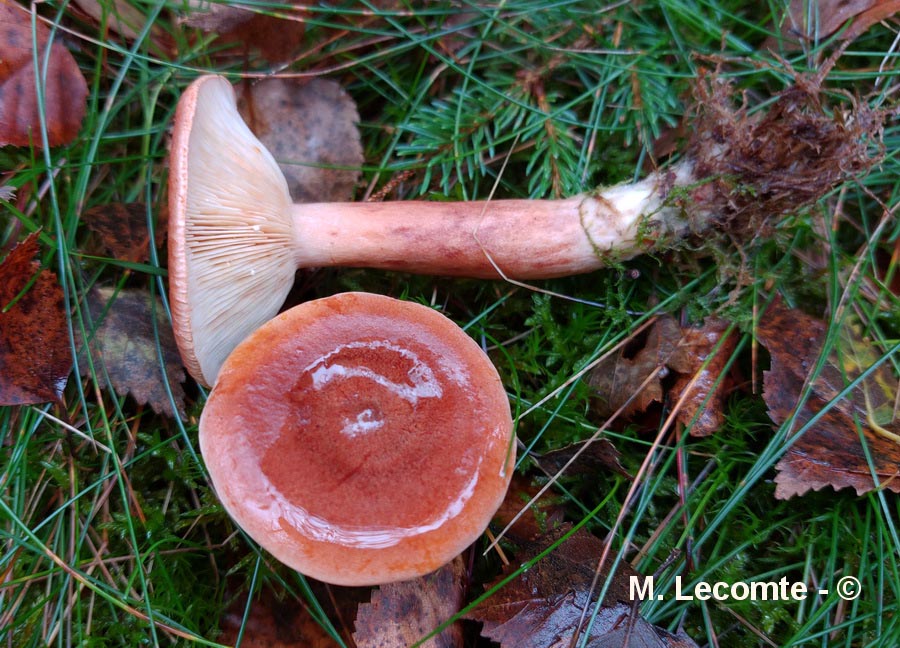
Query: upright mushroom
x,y
236,239
359,439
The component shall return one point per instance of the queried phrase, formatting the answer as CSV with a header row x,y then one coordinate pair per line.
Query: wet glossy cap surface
x,y
359,439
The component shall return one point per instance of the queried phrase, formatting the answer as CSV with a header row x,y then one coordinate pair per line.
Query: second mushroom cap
x,y
359,439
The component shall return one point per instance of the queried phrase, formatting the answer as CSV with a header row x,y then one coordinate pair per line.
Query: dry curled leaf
x,y
35,359
543,606
65,90
830,452
125,345
697,357
310,127
405,613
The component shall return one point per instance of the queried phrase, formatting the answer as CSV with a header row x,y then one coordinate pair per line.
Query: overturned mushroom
x,y
236,239
359,439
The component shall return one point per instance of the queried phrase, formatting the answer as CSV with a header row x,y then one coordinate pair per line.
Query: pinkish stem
x,y
524,239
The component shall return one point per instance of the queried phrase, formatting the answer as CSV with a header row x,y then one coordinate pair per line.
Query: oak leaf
x,y
830,452
35,357
64,90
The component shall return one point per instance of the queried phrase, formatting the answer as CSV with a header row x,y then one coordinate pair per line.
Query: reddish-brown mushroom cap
x,y
359,439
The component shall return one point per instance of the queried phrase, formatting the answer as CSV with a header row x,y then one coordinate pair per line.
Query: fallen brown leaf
x,y
276,38
403,614
592,457
35,359
682,350
699,360
830,453
124,19
310,127
543,606
120,17
828,16
273,624
620,376
546,513
881,10
122,230
126,345
65,90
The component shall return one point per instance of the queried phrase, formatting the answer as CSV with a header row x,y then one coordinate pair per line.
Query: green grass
x,y
119,541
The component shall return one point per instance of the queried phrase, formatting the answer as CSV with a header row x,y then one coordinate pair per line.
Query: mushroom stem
x,y
521,239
